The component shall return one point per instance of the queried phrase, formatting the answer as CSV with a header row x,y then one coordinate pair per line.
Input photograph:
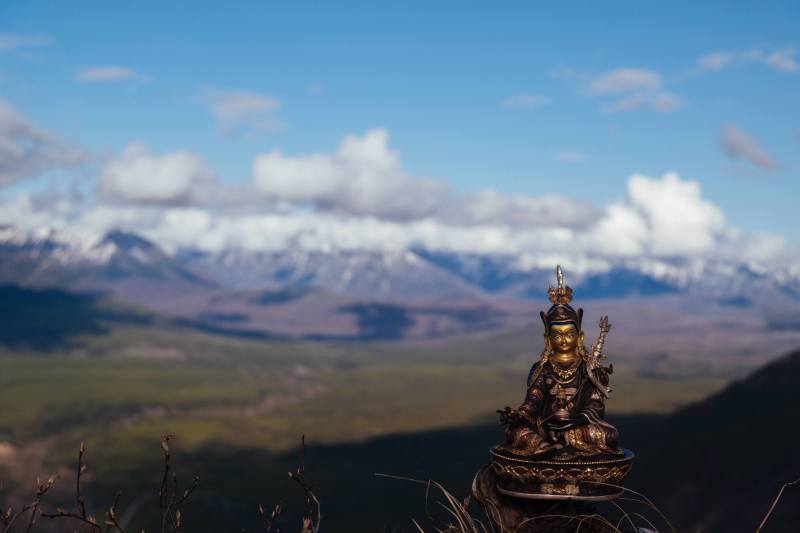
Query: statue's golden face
x,y
564,338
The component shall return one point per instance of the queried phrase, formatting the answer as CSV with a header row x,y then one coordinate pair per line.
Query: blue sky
x,y
479,95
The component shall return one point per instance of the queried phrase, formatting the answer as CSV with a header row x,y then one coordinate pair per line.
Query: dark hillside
x,y
717,464
48,319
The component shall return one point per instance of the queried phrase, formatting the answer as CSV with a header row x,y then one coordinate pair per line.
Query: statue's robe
x,y
551,399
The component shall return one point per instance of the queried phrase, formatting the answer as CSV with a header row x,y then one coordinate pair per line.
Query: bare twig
x,y
268,522
167,498
111,516
10,517
81,506
89,520
312,502
163,491
80,514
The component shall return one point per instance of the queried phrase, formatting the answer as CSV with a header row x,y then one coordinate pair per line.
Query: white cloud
x,y
666,102
363,177
680,221
243,109
624,80
621,231
110,73
138,176
716,61
780,59
28,151
736,143
637,89
525,101
783,60
10,41
659,217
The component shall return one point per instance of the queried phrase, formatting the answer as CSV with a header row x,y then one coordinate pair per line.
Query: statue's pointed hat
x,y
561,312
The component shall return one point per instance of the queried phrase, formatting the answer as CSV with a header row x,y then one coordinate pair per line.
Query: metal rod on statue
x,y
597,356
597,348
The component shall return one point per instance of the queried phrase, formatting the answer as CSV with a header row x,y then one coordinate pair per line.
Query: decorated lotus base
x,y
560,476
507,513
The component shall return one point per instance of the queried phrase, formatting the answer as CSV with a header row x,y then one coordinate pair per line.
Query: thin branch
x,y
163,491
312,502
81,506
167,498
89,520
269,522
111,516
80,514
188,492
10,517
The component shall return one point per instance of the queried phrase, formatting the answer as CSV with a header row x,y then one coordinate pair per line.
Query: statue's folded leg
x,y
524,439
594,438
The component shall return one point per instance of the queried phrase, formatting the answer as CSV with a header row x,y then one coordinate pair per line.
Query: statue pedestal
x,y
523,515
560,476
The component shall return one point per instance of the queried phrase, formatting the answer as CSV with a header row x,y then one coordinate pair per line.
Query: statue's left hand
x,y
565,424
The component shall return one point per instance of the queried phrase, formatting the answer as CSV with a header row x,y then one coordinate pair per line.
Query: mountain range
x,y
60,259
391,294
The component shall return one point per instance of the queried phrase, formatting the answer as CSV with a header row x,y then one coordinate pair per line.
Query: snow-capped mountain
x,y
372,275
507,275
126,263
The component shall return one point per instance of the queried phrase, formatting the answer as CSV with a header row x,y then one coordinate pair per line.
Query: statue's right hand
x,y
512,417
505,416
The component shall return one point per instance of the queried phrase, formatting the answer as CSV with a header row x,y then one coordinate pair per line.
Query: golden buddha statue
x,y
561,421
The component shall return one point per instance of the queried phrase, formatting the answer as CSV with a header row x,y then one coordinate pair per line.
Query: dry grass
x,y
459,519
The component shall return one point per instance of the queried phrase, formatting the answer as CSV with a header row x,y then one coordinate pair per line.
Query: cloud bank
x,y
360,198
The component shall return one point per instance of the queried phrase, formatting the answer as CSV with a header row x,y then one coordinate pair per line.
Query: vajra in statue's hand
x,y
513,417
